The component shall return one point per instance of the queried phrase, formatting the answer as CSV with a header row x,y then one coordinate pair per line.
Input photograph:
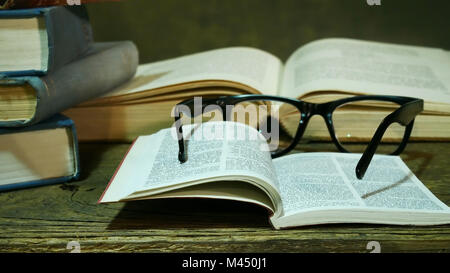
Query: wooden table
x,y
47,218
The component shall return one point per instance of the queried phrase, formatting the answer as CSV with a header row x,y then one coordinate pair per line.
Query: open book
x,y
318,71
228,160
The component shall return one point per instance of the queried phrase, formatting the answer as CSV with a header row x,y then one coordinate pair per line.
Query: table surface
x,y
48,218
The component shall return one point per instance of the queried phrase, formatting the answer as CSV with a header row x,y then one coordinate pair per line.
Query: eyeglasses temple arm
x,y
190,103
367,156
179,130
405,115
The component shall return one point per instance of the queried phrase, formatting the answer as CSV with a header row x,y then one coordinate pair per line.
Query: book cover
x,y
104,67
57,121
68,34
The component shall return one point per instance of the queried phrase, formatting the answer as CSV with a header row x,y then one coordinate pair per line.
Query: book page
x,y
327,180
252,67
368,67
216,151
24,44
22,155
213,149
228,190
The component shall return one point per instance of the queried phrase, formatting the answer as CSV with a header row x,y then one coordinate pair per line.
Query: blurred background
x,y
169,28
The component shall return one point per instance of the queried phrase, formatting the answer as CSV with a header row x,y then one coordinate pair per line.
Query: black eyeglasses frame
x,y
404,115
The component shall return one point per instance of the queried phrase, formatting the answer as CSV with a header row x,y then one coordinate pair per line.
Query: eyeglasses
x,y
270,114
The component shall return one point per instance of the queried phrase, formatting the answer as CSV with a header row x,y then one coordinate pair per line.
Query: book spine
x,y
69,35
57,121
105,66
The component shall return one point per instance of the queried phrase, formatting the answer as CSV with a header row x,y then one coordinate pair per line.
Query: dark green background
x,y
169,28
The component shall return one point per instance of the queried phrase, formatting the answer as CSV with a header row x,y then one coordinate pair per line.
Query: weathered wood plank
x,y
47,218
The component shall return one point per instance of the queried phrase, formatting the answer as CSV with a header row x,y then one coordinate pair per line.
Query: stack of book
x,y
49,63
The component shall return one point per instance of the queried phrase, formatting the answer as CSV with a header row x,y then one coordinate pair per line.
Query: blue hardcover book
x,y
45,153
40,40
30,99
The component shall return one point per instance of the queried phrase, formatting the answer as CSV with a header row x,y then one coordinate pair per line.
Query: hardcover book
x,y
29,99
319,71
297,189
46,153
39,41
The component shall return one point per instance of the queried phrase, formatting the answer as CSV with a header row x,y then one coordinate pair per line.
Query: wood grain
x,y
45,219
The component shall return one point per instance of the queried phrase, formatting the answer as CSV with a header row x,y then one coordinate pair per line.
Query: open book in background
x,y
319,71
228,160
